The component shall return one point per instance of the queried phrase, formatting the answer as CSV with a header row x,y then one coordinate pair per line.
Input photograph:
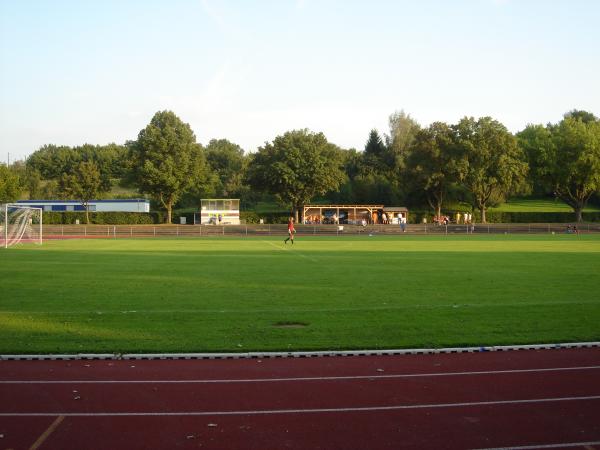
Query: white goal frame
x,y
20,233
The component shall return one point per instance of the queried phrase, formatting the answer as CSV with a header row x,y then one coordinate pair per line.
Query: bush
x,y
249,217
100,218
189,217
534,217
267,217
416,216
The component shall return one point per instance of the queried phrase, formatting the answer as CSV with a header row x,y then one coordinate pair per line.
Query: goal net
x,y
20,224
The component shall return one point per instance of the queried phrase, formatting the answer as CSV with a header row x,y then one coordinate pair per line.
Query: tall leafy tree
x,y
10,184
52,161
565,158
83,184
540,150
33,183
584,116
574,167
166,160
227,160
431,164
296,167
491,163
403,129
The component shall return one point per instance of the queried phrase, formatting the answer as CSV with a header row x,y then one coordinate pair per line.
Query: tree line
x,y
477,161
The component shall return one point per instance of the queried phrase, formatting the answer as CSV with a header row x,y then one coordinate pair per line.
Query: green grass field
x,y
538,205
227,294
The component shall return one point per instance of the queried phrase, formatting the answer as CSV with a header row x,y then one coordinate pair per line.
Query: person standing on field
x,y
291,231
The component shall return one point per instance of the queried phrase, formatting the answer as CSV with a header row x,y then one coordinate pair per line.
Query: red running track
x,y
519,399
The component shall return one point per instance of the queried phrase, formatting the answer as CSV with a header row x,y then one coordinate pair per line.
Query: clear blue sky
x,y
95,71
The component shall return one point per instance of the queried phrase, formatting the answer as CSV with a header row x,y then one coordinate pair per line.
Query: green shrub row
x,y
535,217
250,217
100,218
416,216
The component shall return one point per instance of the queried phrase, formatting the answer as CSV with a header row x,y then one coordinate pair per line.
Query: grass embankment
x,y
538,205
194,295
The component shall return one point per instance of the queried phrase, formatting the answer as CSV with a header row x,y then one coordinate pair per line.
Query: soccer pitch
x,y
322,293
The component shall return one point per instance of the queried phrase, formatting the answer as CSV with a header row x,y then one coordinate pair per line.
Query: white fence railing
x,y
130,231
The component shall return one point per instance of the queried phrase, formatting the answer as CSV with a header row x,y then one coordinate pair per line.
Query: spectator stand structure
x,y
352,214
394,213
218,211
140,205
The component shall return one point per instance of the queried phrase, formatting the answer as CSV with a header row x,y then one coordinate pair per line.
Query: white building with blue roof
x,y
140,205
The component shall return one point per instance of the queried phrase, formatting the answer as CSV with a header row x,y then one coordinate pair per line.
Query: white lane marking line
x,y
273,245
527,447
303,411
271,380
285,250
47,433
362,308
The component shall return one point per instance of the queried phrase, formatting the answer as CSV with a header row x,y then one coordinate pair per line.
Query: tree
x,y
431,163
374,145
166,160
565,158
10,184
52,161
491,163
33,181
584,116
227,160
539,148
296,167
574,164
374,157
403,130
50,189
84,184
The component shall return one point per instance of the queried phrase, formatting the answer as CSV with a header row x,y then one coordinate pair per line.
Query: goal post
x,y
20,224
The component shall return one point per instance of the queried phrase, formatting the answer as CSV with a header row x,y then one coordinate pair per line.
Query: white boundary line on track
x,y
273,380
318,354
303,411
531,447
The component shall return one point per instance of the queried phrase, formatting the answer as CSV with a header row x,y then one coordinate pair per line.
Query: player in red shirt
x,y
291,231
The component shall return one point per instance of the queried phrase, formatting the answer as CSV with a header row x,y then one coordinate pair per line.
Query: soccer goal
x,y
20,224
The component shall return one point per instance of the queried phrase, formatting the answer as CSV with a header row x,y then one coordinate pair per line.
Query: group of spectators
x,y
384,219
572,229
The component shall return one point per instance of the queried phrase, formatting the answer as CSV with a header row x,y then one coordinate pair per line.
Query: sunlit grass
x,y
230,294
538,205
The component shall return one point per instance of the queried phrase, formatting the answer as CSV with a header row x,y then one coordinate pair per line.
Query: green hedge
x,y
189,217
100,218
250,217
416,216
535,217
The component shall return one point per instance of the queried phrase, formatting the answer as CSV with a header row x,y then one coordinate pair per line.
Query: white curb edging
x,y
317,354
